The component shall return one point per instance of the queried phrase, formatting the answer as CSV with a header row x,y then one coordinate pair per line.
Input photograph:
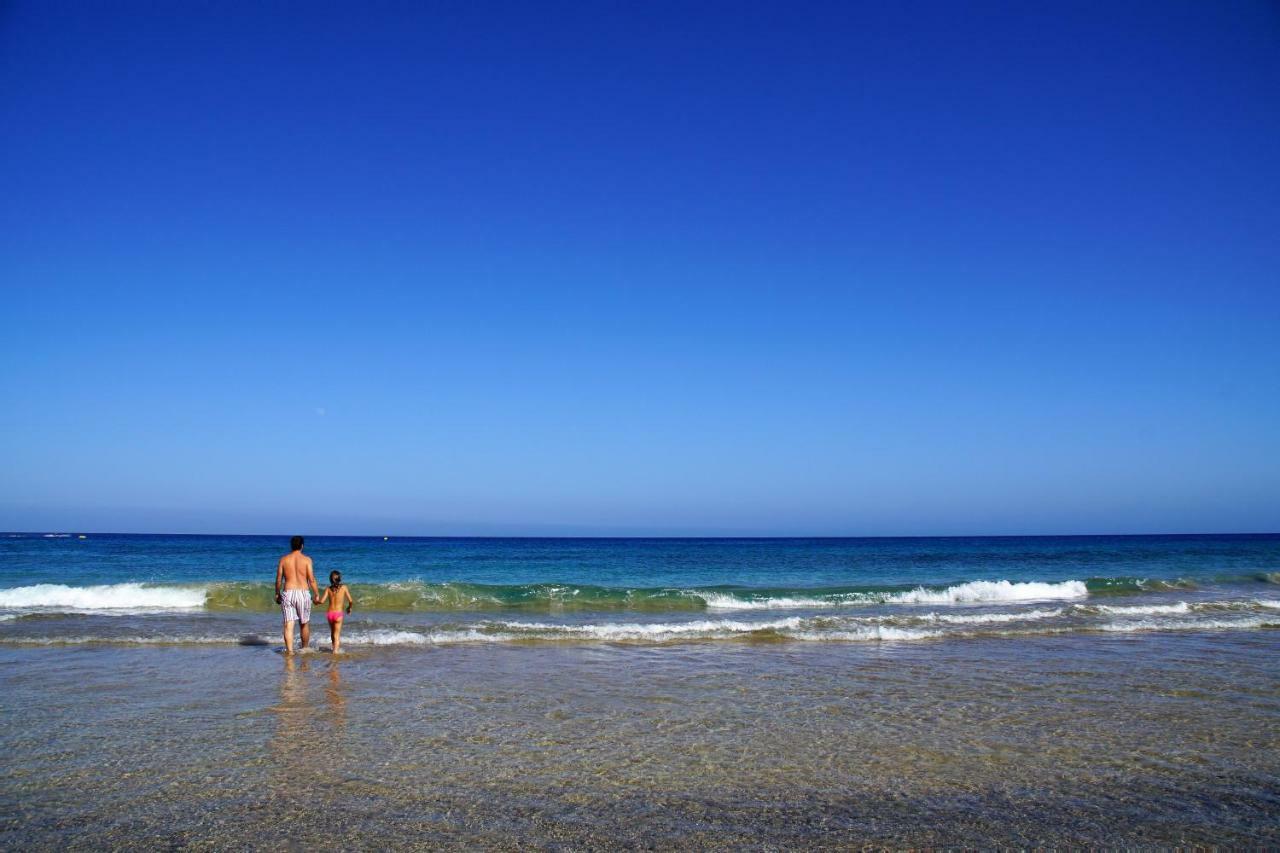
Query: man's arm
x,y
279,578
311,579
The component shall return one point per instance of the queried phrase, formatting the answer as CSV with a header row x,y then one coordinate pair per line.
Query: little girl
x,y
334,596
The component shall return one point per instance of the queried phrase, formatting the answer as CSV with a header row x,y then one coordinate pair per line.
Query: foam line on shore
x,y
991,618
1142,609
798,629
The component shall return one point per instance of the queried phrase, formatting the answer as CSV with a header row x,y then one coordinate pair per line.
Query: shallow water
x,y
1147,738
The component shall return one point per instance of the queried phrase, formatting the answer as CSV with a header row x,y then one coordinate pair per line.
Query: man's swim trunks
x,y
296,605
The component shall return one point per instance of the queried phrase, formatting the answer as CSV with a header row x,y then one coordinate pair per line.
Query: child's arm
x,y
351,601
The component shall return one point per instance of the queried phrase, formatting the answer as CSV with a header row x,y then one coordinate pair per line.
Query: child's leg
x,y
337,634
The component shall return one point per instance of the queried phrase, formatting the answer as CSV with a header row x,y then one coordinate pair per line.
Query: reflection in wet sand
x,y
292,706
336,698
333,743
293,730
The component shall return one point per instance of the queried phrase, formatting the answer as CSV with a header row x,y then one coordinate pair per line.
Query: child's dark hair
x,y
335,579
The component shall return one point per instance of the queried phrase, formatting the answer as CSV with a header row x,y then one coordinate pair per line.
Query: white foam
x,y
1144,609
654,630
722,601
120,596
881,633
973,592
792,628
1272,603
983,591
390,637
1185,625
506,632
84,639
987,618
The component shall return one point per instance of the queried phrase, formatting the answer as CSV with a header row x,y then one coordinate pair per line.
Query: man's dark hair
x,y
296,543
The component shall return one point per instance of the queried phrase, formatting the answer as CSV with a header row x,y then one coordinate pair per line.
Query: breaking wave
x,y
120,596
993,591
411,596
559,598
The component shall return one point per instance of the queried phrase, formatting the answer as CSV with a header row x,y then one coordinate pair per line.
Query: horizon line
x,y
391,536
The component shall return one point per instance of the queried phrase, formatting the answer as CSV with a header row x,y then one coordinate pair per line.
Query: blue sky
x,y
640,268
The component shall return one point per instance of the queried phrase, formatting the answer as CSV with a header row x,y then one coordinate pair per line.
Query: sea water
x,y
588,694
60,588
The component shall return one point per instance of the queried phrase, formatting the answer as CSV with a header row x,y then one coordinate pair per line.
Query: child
x,y
333,597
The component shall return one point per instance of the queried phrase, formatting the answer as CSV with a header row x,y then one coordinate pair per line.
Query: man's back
x,y
293,576
296,568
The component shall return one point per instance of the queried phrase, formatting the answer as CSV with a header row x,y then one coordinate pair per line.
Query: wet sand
x,y
1133,740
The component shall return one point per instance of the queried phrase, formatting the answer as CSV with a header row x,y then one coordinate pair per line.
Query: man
x,y
294,572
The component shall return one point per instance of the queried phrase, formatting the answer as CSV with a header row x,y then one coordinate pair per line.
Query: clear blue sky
x,y
599,268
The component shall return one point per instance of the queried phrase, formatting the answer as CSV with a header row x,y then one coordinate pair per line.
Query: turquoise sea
x,y
84,588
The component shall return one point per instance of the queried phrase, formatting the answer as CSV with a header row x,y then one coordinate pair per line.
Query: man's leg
x,y
288,637
306,633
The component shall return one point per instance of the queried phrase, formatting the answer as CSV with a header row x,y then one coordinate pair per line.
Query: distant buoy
x,y
384,539
82,536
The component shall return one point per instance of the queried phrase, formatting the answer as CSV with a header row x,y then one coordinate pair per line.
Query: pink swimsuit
x,y
335,615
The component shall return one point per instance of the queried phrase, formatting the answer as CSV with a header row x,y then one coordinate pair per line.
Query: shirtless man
x,y
295,574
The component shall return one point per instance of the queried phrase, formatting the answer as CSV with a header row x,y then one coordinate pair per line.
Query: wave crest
x,y
563,598
992,591
119,596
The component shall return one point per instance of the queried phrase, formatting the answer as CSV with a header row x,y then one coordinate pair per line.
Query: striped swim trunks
x,y
295,604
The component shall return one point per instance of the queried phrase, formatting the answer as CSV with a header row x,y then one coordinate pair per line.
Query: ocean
x,y
618,693
60,588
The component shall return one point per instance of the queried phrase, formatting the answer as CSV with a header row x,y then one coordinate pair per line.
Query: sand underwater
x,y
1149,739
